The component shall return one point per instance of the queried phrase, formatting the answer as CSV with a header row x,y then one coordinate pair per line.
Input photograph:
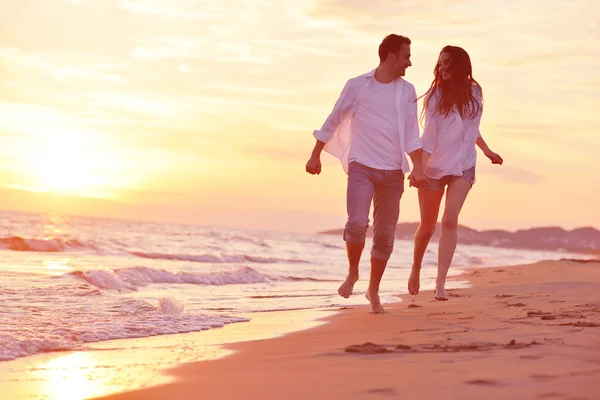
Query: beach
x,y
96,307
520,332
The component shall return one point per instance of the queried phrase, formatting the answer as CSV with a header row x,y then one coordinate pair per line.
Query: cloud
x,y
375,15
543,130
512,174
63,67
559,55
174,9
171,47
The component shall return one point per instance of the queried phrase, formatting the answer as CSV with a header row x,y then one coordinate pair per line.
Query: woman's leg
x,y
429,206
456,195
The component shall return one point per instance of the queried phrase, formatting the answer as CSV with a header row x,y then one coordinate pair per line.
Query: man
x,y
372,125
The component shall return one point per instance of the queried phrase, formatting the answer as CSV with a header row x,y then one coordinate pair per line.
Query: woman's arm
x,y
494,157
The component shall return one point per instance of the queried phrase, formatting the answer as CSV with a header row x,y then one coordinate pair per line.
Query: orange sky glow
x,y
203,112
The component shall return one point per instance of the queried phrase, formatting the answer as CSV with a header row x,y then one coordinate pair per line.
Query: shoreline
x,y
517,332
122,365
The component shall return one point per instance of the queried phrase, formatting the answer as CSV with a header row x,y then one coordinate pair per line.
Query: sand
x,y
526,332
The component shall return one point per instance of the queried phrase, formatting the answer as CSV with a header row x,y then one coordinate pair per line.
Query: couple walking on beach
x,y
373,124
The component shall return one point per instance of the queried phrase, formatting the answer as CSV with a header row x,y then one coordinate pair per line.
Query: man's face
x,y
444,66
401,60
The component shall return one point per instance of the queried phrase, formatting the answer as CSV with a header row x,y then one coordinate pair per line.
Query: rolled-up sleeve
x,y
412,140
338,115
431,126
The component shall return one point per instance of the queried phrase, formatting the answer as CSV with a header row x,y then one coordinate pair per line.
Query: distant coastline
x,y
582,240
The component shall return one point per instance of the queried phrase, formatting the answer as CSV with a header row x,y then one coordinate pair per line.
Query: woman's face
x,y
444,66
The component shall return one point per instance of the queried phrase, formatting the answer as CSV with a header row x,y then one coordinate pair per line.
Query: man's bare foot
x,y
376,307
346,288
414,281
440,293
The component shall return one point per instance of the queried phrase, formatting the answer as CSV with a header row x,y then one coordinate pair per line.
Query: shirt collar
x,y
371,75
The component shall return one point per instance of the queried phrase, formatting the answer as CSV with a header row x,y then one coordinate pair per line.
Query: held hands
x,y
494,157
313,166
417,178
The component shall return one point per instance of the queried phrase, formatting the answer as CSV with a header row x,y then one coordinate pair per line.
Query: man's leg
x,y
456,195
358,202
388,191
429,206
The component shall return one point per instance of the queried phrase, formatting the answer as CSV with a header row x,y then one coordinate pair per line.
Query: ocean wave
x,y
250,239
216,258
136,277
303,279
18,243
128,319
288,296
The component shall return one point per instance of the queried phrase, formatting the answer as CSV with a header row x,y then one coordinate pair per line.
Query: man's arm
x,y
336,117
340,110
313,166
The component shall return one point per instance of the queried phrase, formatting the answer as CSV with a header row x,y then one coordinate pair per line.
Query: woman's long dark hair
x,y
458,89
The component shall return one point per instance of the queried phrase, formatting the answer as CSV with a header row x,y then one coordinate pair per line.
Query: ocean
x,y
69,281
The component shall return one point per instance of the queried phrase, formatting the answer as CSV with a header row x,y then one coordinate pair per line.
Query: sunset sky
x,y
203,111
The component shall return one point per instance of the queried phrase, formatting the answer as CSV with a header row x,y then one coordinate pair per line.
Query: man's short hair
x,y
391,44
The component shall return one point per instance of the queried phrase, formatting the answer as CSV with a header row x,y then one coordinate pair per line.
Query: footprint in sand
x,y
453,332
383,391
368,348
513,344
536,313
585,373
582,324
544,377
590,305
515,305
413,306
550,395
484,382
531,357
444,313
503,296
372,348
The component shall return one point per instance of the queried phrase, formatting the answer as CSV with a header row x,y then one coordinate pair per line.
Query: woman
x,y
452,109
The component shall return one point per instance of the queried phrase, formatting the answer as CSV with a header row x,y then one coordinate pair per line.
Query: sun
x,y
68,164
64,171
61,154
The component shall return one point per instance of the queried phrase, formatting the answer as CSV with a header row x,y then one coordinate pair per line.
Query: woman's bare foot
x,y
414,281
440,293
376,307
346,288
